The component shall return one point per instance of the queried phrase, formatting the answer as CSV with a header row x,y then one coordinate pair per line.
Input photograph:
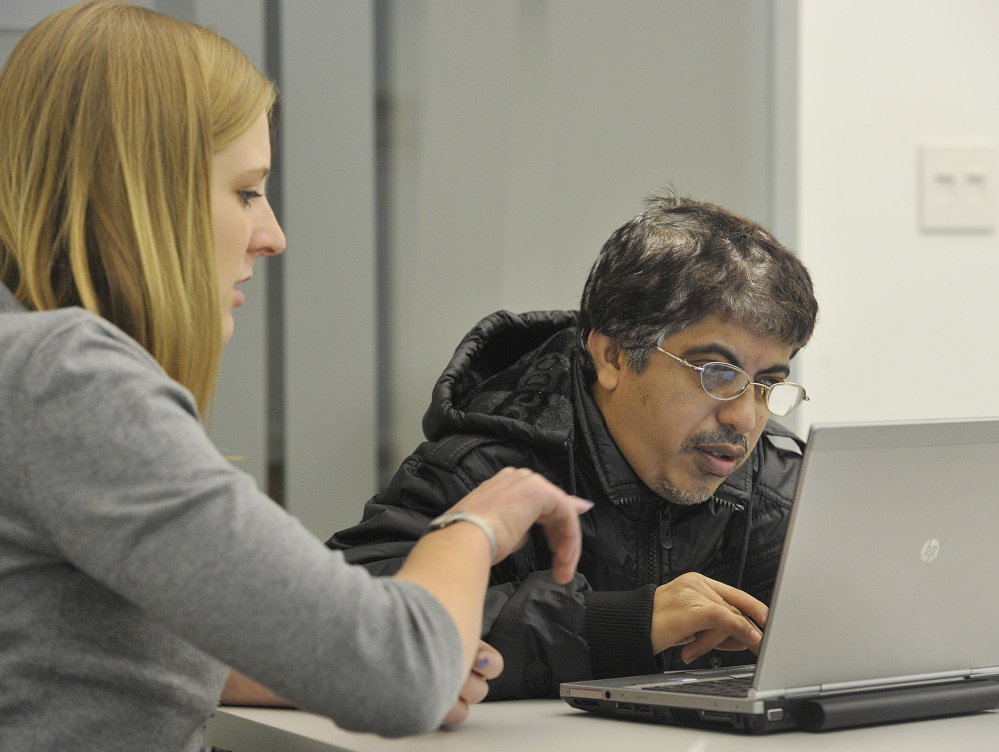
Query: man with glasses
x,y
653,402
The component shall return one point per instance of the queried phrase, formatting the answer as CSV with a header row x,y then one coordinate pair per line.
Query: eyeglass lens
x,y
725,382
783,399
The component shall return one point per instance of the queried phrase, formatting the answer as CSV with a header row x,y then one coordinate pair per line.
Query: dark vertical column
x,y
383,283
275,273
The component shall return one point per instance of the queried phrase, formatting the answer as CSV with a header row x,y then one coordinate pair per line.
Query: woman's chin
x,y
228,327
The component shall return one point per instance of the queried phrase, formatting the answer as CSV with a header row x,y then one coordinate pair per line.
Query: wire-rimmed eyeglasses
x,y
725,382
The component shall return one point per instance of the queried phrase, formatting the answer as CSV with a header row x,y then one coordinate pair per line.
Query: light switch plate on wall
x,y
957,186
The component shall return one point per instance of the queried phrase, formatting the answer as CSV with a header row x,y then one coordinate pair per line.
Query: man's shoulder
x,y
449,452
462,449
784,438
782,451
475,458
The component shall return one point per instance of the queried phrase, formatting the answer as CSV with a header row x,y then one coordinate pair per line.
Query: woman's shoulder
x,y
38,338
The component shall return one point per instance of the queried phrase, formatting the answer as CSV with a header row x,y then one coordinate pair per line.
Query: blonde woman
x,y
137,566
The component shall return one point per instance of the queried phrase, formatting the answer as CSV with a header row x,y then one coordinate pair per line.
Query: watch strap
x,y
460,515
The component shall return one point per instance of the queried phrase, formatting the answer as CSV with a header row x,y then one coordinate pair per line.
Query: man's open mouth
x,y
720,460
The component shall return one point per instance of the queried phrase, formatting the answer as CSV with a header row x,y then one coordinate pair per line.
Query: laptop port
x,y
626,707
707,715
644,710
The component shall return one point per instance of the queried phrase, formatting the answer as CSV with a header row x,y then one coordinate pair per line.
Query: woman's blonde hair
x,y
109,116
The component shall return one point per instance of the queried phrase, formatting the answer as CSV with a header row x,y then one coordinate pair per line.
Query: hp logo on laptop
x,y
930,550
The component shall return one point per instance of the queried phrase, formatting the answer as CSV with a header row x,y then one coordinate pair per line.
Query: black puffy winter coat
x,y
516,393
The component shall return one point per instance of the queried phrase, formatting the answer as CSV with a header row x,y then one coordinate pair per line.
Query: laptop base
x,y
817,714
747,723
891,705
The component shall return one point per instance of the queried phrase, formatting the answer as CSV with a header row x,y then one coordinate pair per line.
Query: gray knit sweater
x,y
136,564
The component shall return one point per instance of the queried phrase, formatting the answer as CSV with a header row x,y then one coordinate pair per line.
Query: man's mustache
x,y
718,436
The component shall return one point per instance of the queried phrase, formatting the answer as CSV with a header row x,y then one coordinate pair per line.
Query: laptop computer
x,y
884,607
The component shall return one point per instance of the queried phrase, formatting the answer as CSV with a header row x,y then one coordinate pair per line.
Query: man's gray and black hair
x,y
681,261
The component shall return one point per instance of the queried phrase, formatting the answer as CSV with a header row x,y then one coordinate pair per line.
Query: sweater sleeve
x,y
125,485
619,624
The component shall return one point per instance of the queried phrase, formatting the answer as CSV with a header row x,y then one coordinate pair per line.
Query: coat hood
x,y
510,378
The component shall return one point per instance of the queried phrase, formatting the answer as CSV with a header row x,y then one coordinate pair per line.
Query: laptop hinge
x,y
896,681
814,689
987,671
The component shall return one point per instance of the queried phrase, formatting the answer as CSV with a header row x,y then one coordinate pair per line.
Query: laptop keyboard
x,y
731,686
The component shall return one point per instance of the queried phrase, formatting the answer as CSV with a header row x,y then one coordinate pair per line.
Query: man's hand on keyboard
x,y
703,614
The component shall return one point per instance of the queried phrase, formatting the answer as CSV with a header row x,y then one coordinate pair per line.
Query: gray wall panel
x,y
327,136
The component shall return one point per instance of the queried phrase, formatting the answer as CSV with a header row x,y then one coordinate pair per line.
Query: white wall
x,y
907,326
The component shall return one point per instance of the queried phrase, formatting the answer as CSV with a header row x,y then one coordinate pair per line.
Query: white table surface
x,y
552,726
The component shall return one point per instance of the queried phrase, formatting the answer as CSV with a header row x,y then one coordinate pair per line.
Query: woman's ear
x,y
609,359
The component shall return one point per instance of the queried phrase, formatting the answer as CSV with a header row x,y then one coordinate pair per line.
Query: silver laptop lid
x,y
905,585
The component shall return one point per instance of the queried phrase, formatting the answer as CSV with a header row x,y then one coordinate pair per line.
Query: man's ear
x,y
609,359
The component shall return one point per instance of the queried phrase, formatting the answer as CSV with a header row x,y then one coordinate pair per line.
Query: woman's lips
x,y
238,296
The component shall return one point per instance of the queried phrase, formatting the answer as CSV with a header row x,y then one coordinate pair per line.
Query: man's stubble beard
x,y
665,488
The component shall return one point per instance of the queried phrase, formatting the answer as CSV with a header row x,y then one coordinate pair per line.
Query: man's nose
x,y
742,413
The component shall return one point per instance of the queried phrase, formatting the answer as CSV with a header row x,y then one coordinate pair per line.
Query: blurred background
x,y
438,160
